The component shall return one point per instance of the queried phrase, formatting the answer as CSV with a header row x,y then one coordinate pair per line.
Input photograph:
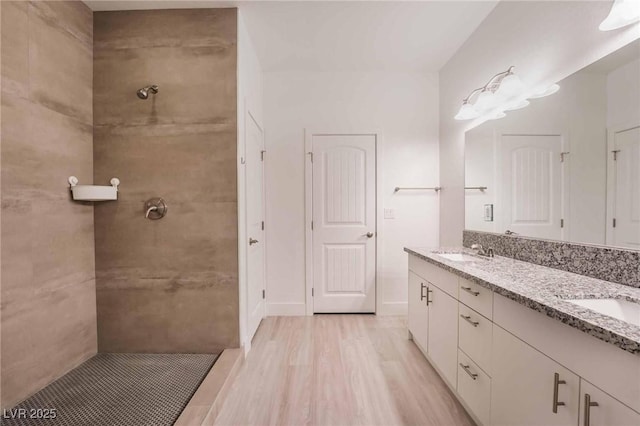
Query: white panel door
x,y
531,185
255,231
626,232
344,223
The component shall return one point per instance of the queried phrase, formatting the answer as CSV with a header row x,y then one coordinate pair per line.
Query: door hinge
x,y
312,292
312,225
614,222
262,155
563,155
561,223
615,154
310,156
263,225
264,294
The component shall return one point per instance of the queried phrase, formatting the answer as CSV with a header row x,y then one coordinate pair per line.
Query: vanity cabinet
x,y
433,316
443,332
418,319
529,388
607,412
511,365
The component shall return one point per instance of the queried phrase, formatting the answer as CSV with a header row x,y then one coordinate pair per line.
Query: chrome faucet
x,y
481,251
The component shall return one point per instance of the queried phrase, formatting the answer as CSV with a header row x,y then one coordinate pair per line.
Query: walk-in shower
x,y
144,92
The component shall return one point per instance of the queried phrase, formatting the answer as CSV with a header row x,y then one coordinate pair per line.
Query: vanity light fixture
x,y
623,13
504,92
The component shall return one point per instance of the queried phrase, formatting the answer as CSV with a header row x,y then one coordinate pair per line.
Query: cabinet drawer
x,y
477,297
474,387
475,336
445,281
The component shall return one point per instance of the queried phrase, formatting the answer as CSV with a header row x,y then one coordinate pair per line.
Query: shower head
x,y
144,92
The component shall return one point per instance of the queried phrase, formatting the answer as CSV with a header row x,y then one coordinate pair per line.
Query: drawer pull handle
x,y
466,369
556,383
468,290
422,295
587,408
467,318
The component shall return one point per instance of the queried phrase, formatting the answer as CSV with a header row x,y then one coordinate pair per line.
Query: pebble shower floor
x,y
116,390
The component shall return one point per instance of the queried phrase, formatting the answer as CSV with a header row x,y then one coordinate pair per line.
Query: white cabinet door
x,y
524,389
443,332
607,412
418,311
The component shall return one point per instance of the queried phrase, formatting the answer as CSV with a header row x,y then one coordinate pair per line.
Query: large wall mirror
x,y
567,167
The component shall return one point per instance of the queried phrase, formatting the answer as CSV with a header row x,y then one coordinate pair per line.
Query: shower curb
x,y
203,408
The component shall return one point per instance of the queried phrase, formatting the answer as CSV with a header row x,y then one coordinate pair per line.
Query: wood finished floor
x,y
338,370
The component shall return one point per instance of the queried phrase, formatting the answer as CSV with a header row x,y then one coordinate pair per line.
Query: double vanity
x,y
519,343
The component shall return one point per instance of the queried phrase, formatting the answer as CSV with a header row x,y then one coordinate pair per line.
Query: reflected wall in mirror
x,y
568,166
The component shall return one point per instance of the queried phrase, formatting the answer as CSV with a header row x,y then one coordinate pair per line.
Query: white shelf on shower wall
x,y
94,192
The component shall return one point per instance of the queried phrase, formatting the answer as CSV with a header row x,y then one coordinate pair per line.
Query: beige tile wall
x,y
48,312
169,285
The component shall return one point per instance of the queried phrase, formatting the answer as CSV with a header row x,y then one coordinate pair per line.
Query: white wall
x,y
404,107
623,95
546,41
250,97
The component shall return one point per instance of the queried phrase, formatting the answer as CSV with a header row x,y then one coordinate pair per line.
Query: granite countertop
x,y
546,290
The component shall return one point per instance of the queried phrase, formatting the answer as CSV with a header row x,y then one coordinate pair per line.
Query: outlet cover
x,y
389,214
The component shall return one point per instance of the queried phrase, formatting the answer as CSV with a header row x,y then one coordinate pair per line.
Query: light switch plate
x,y
389,214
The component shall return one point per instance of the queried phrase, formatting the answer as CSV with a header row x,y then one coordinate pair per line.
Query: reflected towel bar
x,y
480,188
436,188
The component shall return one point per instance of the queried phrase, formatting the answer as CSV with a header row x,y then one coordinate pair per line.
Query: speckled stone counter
x,y
546,290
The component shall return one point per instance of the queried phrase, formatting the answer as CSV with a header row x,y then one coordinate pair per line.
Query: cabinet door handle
x,y
556,383
468,371
467,318
429,291
422,295
587,408
468,290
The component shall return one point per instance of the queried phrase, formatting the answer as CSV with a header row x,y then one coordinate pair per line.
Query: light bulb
x,y
467,112
623,13
541,92
510,86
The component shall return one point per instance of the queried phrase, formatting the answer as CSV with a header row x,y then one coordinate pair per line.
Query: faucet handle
x,y
156,208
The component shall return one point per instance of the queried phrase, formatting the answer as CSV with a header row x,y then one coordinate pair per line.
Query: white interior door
x,y
255,231
344,223
626,232
531,185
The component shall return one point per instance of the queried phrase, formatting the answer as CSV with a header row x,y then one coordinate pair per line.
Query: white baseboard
x,y
285,309
393,308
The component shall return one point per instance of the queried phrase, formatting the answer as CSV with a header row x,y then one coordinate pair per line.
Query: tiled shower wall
x,y
169,285
48,278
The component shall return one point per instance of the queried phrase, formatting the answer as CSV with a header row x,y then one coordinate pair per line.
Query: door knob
x,y
252,241
369,234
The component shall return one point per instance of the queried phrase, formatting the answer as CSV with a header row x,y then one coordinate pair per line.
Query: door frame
x,y
309,133
612,184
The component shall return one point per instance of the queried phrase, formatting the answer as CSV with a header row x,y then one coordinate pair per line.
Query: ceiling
x,y
396,36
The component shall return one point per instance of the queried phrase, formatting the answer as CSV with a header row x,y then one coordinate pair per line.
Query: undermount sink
x,y
621,309
458,257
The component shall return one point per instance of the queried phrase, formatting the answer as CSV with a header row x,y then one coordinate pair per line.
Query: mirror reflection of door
x,y
626,203
531,190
